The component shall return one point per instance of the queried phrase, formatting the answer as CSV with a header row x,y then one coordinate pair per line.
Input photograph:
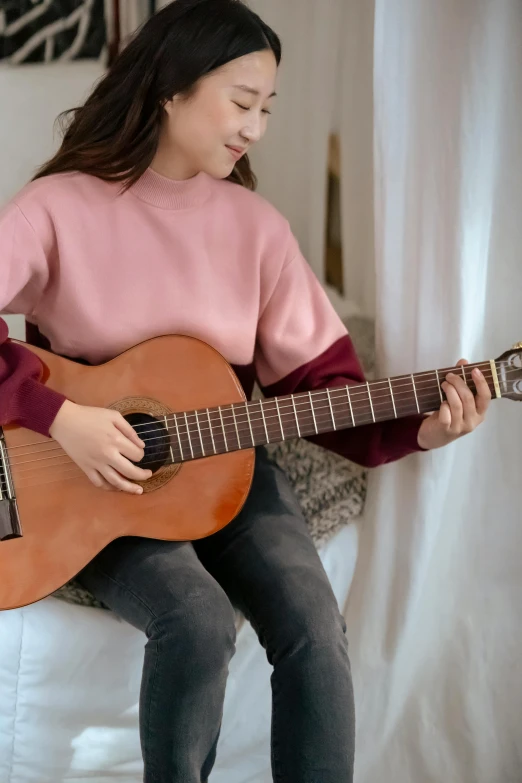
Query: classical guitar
x,y
186,403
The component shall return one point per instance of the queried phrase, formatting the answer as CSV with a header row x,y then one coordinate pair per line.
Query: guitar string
x,y
338,422
245,420
357,393
71,465
341,422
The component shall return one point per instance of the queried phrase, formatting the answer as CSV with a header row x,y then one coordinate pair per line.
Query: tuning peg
x,y
517,347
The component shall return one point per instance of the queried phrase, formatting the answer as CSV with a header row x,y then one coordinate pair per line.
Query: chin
x,y
219,169
220,172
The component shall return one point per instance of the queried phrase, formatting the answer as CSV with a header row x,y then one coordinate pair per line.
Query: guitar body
x,y
66,521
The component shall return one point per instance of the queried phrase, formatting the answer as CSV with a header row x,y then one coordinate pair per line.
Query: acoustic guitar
x,y
186,403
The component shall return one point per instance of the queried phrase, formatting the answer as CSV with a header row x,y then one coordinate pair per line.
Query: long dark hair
x,y
115,134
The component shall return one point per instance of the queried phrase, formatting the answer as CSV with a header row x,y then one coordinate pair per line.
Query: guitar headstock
x,y
509,371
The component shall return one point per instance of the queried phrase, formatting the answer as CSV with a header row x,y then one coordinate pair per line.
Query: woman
x,y
144,223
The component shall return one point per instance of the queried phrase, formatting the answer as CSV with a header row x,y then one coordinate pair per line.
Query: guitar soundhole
x,y
156,437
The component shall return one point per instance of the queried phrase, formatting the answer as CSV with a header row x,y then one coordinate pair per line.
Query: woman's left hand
x,y
461,414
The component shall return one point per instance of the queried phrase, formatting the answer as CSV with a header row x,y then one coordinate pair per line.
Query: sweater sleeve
x,y
24,399
302,345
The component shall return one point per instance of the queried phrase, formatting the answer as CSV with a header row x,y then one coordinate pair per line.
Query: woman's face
x,y
224,117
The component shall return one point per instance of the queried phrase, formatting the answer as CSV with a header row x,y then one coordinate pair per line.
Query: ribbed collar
x,y
168,193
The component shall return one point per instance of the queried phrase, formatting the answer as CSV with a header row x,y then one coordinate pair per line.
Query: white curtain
x,y
435,611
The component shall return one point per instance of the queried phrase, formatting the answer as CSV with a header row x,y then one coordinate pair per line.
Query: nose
x,y
253,131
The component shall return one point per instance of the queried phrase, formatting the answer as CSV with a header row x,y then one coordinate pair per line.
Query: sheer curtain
x,y
434,615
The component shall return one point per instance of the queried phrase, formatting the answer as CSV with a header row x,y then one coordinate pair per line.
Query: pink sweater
x,y
96,272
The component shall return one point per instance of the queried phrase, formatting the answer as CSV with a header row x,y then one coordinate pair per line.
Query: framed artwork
x,y
42,31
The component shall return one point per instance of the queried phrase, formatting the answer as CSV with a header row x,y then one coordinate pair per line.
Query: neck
x,y
171,164
206,432
166,193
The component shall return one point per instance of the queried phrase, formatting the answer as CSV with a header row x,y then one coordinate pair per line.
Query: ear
x,y
169,105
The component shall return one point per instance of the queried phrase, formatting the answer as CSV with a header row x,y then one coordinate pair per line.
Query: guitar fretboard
x,y
209,431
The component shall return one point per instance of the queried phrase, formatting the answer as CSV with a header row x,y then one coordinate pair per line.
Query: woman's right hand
x,y
102,444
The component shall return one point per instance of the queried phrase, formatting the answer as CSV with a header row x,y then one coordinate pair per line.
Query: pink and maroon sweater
x,y
96,271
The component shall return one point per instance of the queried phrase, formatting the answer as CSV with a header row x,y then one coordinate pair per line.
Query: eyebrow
x,y
251,90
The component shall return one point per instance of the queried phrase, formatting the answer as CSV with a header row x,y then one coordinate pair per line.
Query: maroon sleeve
x,y
24,400
369,445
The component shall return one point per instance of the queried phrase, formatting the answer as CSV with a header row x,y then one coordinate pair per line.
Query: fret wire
x,y
199,430
188,435
296,420
223,428
235,425
279,417
392,398
331,409
415,393
350,404
438,384
178,436
464,374
170,442
370,401
313,412
264,420
211,432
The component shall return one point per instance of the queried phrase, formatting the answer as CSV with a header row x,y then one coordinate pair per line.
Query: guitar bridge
x,y
9,517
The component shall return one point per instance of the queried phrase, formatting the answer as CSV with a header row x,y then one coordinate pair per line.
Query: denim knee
x,y
199,630
312,621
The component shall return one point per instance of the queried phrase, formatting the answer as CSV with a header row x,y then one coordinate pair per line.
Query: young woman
x,y
145,223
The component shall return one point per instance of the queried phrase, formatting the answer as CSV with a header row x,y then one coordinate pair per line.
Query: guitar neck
x,y
205,432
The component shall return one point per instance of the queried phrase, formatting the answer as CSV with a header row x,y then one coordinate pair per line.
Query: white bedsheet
x,y
69,684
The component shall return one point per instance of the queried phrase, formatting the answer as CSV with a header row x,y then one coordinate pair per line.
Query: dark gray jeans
x,y
181,595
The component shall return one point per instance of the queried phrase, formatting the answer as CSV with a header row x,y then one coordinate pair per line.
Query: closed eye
x,y
247,108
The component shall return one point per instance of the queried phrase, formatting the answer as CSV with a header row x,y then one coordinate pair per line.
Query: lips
x,y
237,152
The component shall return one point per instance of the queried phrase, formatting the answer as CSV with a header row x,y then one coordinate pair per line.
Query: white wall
x,y
31,97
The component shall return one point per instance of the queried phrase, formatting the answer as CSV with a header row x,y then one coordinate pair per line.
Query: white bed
x,y
69,679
